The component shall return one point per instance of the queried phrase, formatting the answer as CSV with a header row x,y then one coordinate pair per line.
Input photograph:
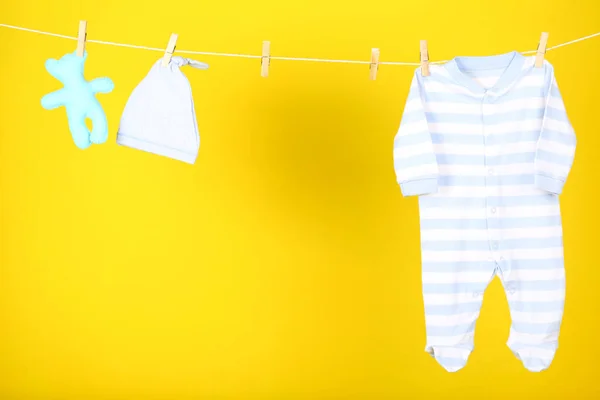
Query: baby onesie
x,y
486,144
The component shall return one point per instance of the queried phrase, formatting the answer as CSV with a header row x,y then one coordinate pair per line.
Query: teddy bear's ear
x,y
51,66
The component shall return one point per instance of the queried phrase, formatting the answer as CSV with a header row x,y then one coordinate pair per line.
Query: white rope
x,y
573,41
36,31
133,46
322,60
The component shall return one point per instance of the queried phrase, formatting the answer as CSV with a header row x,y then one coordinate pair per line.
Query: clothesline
x,y
323,60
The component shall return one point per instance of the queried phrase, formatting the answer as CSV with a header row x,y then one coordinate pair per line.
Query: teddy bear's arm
x,y
102,85
54,99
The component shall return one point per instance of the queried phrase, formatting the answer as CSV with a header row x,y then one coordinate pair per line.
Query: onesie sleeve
x,y
415,162
556,145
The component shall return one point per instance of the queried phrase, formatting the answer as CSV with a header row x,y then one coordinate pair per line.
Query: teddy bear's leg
x,y
80,132
99,124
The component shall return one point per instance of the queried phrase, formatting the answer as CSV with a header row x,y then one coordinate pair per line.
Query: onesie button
x,y
493,210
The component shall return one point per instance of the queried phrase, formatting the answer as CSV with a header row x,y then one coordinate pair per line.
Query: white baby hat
x,y
159,116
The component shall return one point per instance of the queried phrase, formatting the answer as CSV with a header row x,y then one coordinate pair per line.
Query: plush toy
x,y
78,97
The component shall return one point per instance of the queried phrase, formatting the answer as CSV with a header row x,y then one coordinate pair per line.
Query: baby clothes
x,y
486,144
159,116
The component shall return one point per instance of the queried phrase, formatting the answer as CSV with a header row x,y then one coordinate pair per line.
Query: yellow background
x,y
285,263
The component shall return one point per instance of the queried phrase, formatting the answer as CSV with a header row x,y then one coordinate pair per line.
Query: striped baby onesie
x,y
486,144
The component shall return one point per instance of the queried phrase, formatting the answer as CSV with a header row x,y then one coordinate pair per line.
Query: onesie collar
x,y
513,63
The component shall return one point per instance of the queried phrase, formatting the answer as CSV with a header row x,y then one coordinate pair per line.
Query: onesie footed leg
x,y
99,125
452,300
535,358
451,358
536,300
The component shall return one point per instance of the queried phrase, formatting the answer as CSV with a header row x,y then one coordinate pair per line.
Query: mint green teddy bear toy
x,y
78,97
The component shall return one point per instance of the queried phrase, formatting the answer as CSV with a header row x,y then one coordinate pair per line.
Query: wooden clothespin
x,y
170,50
265,60
541,50
81,37
374,66
424,58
